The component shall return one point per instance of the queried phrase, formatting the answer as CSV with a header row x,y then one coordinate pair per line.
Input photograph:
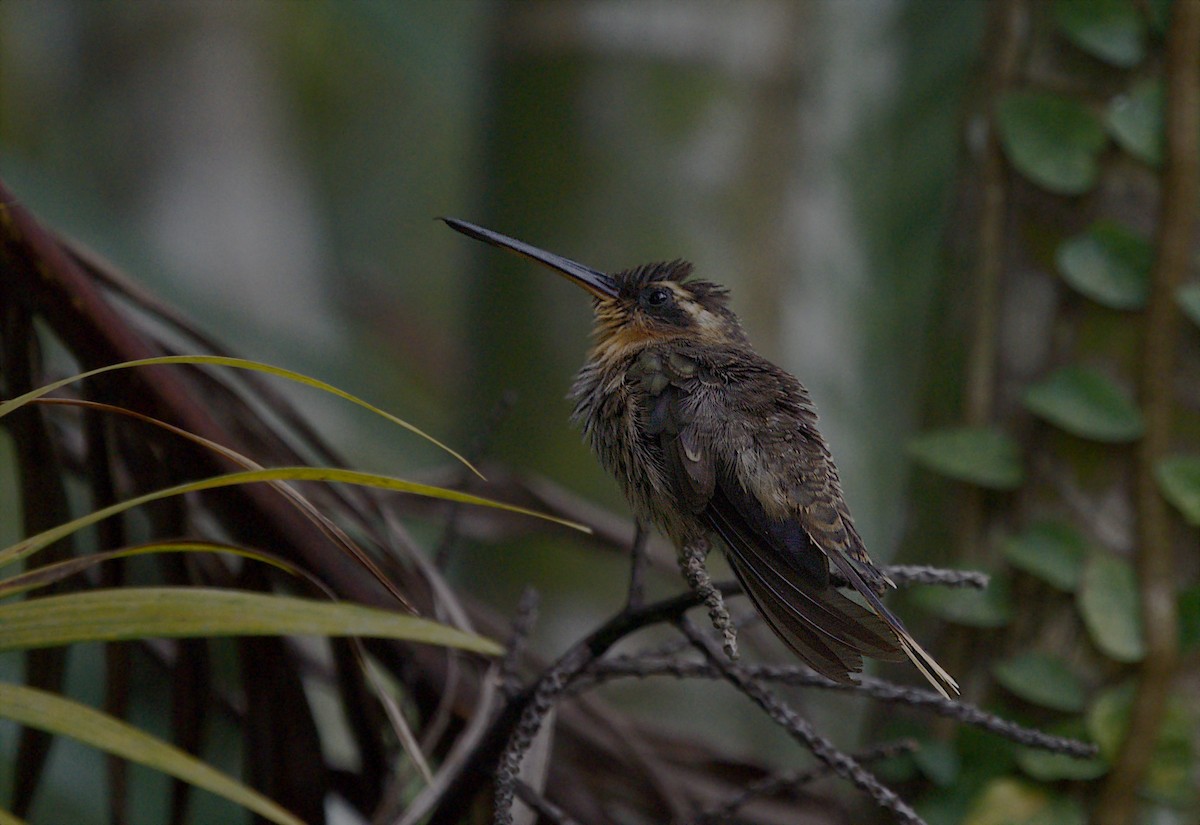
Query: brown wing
x,y
784,522
795,466
784,574
787,578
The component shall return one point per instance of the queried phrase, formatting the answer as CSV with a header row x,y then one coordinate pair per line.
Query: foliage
x,y
1053,139
980,456
1075,540
620,137
1109,264
130,613
1085,403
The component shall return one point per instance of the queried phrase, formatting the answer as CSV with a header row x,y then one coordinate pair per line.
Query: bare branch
x,y
801,729
785,781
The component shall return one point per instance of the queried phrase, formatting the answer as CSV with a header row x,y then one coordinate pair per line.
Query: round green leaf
x,y
1052,140
1135,121
1087,404
1179,479
1107,718
1171,774
1108,264
1111,608
990,607
938,761
1111,30
973,454
1041,679
1051,550
1062,810
1046,766
1188,298
1008,801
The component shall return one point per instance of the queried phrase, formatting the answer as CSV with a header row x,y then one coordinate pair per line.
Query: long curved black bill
x,y
595,282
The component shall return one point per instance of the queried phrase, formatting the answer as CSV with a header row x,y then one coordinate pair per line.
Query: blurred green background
x,y
274,169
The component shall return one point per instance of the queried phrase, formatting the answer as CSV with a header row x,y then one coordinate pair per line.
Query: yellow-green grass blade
x,y
51,573
319,519
121,614
45,711
235,363
28,546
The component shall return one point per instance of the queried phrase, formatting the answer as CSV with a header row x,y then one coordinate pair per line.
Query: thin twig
x,y
801,729
691,562
905,575
541,806
461,790
637,567
645,666
546,692
522,627
786,781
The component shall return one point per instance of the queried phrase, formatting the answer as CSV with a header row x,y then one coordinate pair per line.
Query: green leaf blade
x,y
1052,140
977,455
28,546
235,363
54,714
1109,264
106,615
1087,404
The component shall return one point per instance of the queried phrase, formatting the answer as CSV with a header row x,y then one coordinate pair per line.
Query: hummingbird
x,y
707,438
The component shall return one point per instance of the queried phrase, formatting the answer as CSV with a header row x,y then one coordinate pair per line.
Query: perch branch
x,y
790,780
800,728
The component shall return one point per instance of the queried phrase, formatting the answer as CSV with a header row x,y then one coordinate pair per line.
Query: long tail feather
x,y
826,656
828,631
937,676
822,608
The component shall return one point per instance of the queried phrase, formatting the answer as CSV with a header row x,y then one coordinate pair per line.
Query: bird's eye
x,y
657,297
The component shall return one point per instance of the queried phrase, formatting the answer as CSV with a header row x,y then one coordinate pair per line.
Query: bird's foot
x,y
691,562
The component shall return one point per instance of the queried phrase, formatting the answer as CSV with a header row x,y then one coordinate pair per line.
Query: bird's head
x,y
636,306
